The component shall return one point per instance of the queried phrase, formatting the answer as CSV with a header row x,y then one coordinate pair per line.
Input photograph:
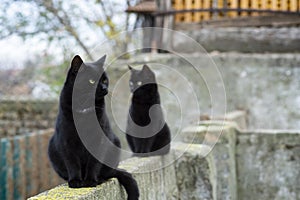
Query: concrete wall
x,y
263,85
221,138
182,174
261,164
242,165
268,164
242,39
26,115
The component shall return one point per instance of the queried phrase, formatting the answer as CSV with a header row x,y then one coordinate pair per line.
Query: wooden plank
x,y
264,4
44,166
220,4
23,183
202,6
54,179
3,168
284,5
206,5
254,5
244,4
243,22
197,15
34,162
19,168
274,4
188,15
233,4
178,6
293,5
10,163
16,169
28,166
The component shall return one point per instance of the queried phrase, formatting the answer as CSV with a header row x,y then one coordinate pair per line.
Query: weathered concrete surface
x,y
263,85
194,174
257,40
268,164
221,137
239,117
182,174
242,165
22,116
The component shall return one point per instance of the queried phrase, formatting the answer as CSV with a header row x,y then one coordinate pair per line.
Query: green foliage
x,y
54,75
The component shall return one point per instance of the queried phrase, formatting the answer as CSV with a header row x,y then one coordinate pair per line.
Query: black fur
x,y
145,94
69,157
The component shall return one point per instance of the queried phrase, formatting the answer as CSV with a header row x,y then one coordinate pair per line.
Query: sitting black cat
x,y
68,155
147,133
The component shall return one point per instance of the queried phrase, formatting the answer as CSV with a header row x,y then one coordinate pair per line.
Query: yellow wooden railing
x,y
216,9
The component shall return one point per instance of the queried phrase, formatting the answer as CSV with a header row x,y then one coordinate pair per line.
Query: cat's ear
x,y
100,62
146,69
76,63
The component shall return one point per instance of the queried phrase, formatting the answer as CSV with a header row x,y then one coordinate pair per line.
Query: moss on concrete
x,y
157,177
267,163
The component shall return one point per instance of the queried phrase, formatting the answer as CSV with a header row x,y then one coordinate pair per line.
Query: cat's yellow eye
x,y
92,81
139,83
104,81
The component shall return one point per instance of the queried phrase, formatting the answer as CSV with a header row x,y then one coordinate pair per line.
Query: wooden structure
x,y
25,169
143,7
191,11
199,10
194,14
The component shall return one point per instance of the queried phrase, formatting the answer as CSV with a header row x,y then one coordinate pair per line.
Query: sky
x,y
14,51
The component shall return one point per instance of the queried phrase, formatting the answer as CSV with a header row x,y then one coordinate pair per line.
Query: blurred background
x,y
255,45
40,37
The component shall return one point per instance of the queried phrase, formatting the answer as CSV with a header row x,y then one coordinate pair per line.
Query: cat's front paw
x,y
75,183
89,183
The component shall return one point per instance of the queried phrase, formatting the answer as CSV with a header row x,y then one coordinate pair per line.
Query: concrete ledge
x,y
268,163
160,177
260,164
262,39
220,135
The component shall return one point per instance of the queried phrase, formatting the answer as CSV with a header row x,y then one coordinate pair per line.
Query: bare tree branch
x,y
65,21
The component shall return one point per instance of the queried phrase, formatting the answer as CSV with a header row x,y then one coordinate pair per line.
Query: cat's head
x,y
88,81
139,79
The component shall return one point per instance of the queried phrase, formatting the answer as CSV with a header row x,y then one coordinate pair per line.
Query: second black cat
x,y
147,133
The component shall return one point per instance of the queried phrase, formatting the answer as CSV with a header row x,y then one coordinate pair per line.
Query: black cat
x,y
146,137
68,155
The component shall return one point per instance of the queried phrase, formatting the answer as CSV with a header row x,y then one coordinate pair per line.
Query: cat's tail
x,y
129,184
